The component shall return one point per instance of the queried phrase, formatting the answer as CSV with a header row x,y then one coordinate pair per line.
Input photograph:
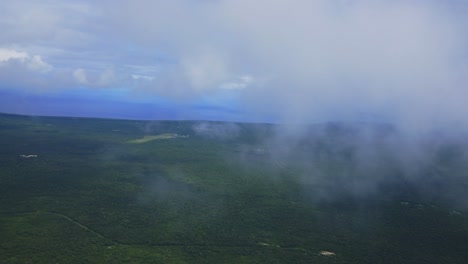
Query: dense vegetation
x,y
221,193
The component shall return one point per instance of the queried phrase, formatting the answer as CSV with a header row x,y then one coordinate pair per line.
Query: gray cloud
x,y
399,61
217,131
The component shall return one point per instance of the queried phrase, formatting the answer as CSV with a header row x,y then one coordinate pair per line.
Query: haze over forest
x,y
234,131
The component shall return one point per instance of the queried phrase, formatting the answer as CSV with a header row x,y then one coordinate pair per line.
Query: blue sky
x,y
283,61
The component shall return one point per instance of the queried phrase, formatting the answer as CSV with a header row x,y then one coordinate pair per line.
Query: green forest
x,y
82,190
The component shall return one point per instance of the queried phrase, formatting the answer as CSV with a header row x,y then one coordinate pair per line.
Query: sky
x,y
294,61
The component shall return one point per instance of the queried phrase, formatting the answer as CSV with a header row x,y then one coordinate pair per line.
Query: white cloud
x,y
8,54
205,71
36,63
142,77
95,78
240,83
33,63
80,76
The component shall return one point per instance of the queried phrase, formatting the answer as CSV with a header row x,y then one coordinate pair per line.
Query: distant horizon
x,y
200,120
65,105
69,105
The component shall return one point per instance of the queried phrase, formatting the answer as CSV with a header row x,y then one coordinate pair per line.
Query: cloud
x,y
7,54
221,131
104,78
23,59
240,83
20,70
51,23
317,60
324,60
80,76
300,61
204,70
142,77
37,64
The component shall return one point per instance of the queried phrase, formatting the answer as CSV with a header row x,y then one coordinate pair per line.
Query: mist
x,y
356,163
390,74
313,61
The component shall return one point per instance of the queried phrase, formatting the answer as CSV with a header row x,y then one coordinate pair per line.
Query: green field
x,y
91,197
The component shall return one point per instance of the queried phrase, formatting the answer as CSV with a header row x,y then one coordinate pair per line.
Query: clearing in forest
x,y
153,137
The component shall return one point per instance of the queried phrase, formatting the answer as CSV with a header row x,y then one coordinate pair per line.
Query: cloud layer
x,y
298,60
